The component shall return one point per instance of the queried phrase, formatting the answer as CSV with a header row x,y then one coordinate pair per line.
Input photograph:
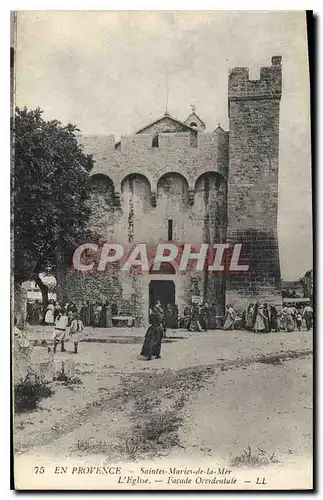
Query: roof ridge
x,y
197,116
165,115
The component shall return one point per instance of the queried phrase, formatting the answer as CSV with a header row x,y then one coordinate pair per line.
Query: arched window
x,y
155,142
193,125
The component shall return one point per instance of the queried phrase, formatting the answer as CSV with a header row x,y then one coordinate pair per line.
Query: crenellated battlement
x,y
269,85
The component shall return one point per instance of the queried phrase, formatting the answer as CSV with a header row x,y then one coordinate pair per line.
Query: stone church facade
x,y
174,181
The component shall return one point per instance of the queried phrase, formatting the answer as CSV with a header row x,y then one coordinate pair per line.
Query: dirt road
x,y
210,396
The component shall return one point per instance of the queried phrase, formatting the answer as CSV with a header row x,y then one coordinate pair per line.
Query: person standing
x,y
290,318
274,325
266,318
204,316
108,316
60,330
159,312
97,314
283,318
195,318
76,331
185,321
249,317
69,317
168,316
259,323
57,309
308,316
175,315
72,307
103,315
84,313
212,316
49,317
153,338
229,318
299,320
114,310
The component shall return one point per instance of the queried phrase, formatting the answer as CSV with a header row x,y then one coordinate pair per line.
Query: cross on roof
x,y
193,107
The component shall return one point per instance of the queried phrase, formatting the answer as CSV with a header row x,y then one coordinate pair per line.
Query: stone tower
x,y
253,183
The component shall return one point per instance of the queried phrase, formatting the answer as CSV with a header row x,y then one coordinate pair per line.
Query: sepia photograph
x,y
162,300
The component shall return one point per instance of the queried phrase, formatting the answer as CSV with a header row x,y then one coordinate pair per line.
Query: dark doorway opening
x,y
163,290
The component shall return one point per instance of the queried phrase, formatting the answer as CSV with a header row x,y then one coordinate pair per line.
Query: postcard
x,y
162,297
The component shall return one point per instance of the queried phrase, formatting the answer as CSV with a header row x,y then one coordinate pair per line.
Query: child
x,y
76,331
60,330
299,320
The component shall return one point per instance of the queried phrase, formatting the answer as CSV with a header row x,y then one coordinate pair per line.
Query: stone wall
x,y
136,220
173,154
253,182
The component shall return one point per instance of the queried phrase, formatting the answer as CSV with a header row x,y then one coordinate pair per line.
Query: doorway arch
x,y
161,289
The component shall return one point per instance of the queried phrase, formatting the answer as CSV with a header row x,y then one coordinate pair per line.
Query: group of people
x,y
196,318
259,318
171,316
169,312
199,317
55,308
69,322
264,318
61,333
98,314
292,318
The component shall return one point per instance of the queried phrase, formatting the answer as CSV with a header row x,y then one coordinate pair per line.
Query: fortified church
x,y
175,181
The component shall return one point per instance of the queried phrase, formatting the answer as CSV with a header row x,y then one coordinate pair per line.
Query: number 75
x,y
39,470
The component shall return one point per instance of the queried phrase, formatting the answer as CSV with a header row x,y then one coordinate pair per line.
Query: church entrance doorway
x,y
163,290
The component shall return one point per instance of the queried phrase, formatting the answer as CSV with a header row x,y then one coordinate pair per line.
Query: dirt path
x,y
149,414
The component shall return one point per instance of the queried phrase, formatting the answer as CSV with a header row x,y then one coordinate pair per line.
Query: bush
x,y
258,459
152,435
67,379
157,425
29,391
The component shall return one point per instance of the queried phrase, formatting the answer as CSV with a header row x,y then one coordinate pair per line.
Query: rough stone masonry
x,y
174,181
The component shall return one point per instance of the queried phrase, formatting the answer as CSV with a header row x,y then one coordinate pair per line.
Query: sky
x,y
106,72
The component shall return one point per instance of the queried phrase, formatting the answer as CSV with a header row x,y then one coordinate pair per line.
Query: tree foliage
x,y
49,192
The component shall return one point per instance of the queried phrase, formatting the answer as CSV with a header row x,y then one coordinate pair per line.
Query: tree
x,y
50,187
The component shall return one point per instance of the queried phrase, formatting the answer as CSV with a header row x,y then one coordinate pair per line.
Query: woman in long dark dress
x,y
204,316
160,315
274,319
184,321
103,316
153,338
175,316
267,318
168,316
84,313
212,317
